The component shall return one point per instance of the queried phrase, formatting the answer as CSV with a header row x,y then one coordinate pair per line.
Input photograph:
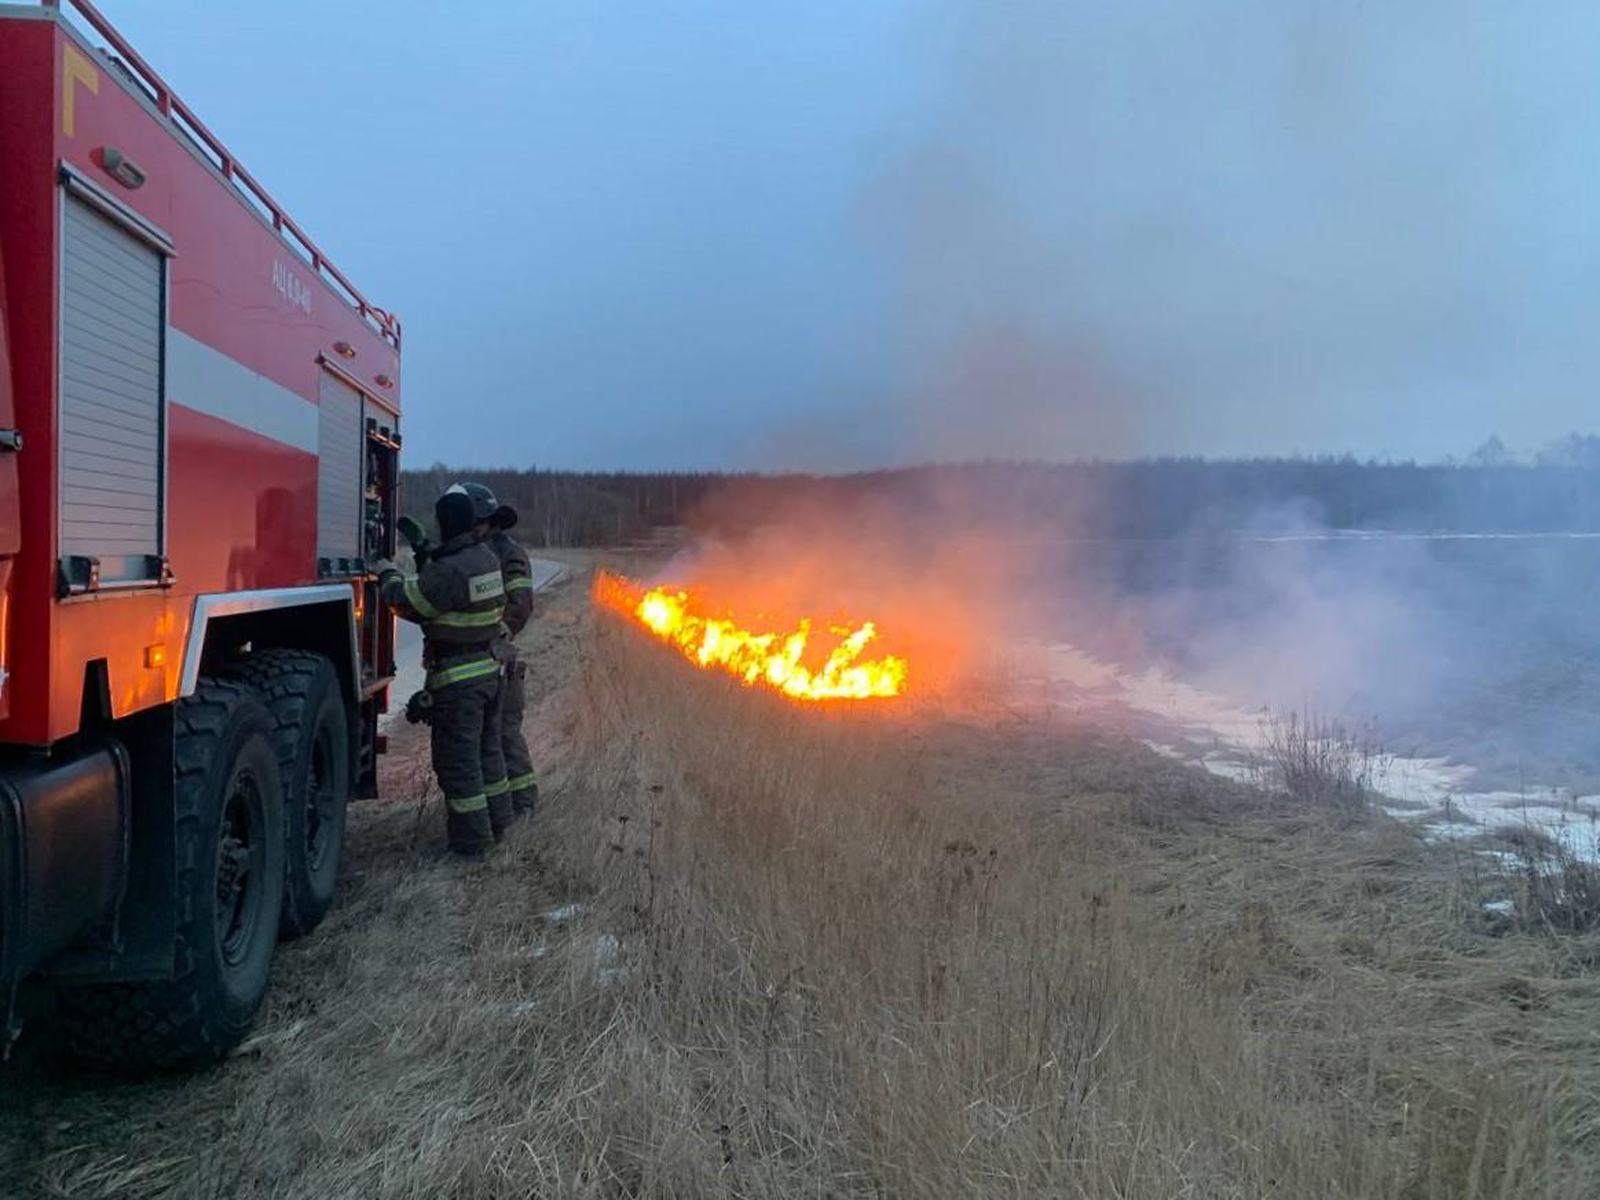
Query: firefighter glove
x,y
411,531
419,707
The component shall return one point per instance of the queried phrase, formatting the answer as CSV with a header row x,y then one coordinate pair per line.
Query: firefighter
x,y
495,520
458,598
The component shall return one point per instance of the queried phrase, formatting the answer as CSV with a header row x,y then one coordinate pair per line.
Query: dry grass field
x,y
757,950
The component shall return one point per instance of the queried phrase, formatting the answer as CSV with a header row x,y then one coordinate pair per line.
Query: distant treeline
x,y
1162,497
573,508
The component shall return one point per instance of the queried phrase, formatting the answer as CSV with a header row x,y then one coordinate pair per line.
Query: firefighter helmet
x,y
455,512
486,508
483,501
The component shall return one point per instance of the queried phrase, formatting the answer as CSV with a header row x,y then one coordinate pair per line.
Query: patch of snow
x,y
516,1008
1573,823
1433,791
1229,765
1167,751
607,952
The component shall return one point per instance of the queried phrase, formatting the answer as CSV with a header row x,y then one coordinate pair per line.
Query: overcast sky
x,y
729,233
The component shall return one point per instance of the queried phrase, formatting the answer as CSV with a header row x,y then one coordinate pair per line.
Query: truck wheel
x,y
312,737
229,806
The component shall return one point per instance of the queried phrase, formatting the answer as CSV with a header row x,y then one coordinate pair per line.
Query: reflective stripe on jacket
x,y
475,667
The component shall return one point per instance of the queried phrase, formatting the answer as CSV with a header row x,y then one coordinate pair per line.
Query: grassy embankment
x,y
894,952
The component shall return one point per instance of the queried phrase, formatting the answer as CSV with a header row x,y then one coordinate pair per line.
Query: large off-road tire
x,y
312,737
229,809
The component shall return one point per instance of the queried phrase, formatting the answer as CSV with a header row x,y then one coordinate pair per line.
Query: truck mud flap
x,y
138,945
63,852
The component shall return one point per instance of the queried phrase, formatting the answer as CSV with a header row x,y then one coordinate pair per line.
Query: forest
x,y
1491,492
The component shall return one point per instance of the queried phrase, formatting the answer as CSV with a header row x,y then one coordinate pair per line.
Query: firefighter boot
x,y
526,800
468,833
502,816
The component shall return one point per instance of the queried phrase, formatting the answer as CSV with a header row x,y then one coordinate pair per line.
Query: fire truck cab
x,y
199,455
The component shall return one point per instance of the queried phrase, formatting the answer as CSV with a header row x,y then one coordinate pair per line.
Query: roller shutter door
x,y
112,432
339,446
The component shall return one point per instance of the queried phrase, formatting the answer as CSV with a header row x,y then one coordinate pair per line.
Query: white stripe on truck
x,y
210,382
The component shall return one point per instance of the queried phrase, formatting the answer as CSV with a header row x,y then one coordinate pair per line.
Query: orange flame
x,y
775,660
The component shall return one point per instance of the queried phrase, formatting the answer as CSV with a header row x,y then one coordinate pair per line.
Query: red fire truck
x,y
199,448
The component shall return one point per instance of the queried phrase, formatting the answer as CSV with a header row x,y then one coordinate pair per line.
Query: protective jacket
x,y
459,599
517,577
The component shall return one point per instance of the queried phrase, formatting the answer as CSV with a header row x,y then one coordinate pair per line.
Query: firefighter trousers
x,y
467,760
520,781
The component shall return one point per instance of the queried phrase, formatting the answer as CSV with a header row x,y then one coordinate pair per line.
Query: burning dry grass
x,y
891,952
715,640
